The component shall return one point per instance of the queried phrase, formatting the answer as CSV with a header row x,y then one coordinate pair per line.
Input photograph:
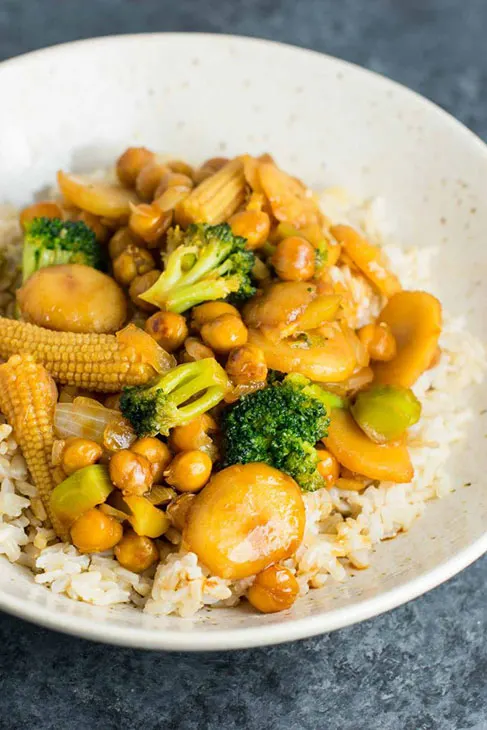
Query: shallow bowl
x,y
77,106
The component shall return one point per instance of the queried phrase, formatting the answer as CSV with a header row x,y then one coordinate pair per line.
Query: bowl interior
x,y
78,106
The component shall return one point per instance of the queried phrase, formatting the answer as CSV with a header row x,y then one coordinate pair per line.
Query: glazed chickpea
x,y
189,471
328,466
156,452
254,225
149,222
149,179
78,453
275,589
209,168
171,180
131,162
211,310
95,532
379,341
194,350
193,435
181,167
139,285
131,473
132,262
246,365
120,240
224,333
136,552
168,329
45,209
294,259
178,510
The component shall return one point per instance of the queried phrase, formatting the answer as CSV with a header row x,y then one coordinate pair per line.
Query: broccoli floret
x,y
174,398
280,425
51,241
205,263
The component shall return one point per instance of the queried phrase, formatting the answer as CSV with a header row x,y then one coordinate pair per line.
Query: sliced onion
x,y
84,418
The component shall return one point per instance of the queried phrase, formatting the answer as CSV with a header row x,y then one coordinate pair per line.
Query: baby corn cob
x,y
217,197
27,398
104,363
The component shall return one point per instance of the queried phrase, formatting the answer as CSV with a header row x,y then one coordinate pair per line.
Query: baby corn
x,y
27,398
217,197
105,363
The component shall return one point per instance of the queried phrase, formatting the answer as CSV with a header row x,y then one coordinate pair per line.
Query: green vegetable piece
x,y
385,412
175,398
280,425
80,492
52,241
205,263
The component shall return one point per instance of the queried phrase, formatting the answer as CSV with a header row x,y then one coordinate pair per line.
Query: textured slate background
x,y
421,667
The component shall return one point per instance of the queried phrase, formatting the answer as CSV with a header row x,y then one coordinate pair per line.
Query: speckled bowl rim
x,y
299,628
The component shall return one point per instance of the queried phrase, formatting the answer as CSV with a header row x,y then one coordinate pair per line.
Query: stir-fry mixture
x,y
196,354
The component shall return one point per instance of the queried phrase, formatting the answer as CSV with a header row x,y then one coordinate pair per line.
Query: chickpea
x,y
195,350
171,180
136,552
139,285
156,452
95,532
168,329
149,179
246,365
189,471
254,225
131,162
209,168
78,453
178,510
328,466
211,310
275,589
193,435
181,167
131,473
294,259
379,341
148,222
44,209
224,333
120,240
132,262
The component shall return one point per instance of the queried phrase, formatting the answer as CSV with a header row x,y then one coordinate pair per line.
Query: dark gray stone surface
x,y
421,667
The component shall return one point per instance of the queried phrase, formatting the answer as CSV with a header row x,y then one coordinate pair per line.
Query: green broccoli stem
x,y
184,297
177,290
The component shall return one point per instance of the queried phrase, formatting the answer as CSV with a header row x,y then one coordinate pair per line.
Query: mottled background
x,y
421,667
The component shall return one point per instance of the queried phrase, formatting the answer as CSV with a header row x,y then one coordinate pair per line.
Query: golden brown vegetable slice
x,y
247,517
414,318
328,360
96,362
368,258
73,298
27,398
279,306
289,199
108,201
354,450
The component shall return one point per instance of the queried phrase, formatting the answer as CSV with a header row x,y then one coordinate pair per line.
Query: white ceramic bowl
x,y
78,105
